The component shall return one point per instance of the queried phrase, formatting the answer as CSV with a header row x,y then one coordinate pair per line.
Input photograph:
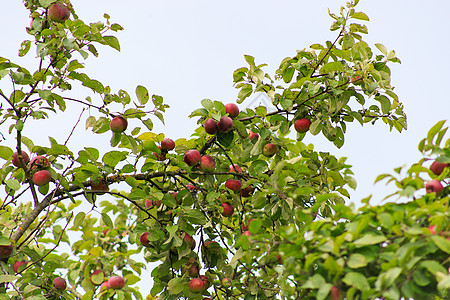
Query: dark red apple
x,y
225,124
253,136
167,144
232,110
228,209
302,125
270,150
226,282
196,285
208,243
58,12
39,162
118,124
233,184
192,157
116,282
191,269
160,156
235,168
434,186
247,191
205,281
189,240
437,167
211,126
42,177
17,265
335,293
144,239
59,283
16,161
207,163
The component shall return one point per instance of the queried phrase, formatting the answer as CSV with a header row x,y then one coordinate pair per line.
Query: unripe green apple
x,y
42,177
118,124
226,282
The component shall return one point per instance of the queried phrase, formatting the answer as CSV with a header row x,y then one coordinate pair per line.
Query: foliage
x,y
291,235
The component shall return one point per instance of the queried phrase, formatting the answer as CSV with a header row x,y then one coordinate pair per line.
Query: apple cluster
x,y
435,186
38,167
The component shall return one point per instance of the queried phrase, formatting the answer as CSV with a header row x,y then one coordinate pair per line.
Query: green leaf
x,y
225,139
357,280
112,41
79,219
360,16
369,239
388,278
441,242
13,184
333,66
8,278
195,216
107,220
142,94
208,104
434,130
112,158
382,48
315,127
357,260
6,152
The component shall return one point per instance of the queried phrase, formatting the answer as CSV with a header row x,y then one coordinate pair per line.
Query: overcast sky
x,y
186,51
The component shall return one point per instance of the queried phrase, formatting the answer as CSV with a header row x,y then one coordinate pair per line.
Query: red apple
x,y
211,126
208,243
207,163
144,239
116,282
279,259
244,227
434,186
437,167
39,162
192,157
17,265
228,209
233,184
167,144
247,233
99,185
196,285
226,282
302,125
247,191
225,124
58,12
432,229
253,136
149,203
104,286
205,281
59,283
189,240
191,269
160,156
15,159
335,293
232,110
190,187
235,168
118,124
270,150
42,177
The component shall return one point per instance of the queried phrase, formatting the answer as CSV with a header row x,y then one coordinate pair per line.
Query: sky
x,y
186,51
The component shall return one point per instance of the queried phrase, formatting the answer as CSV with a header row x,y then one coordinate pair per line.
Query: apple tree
x,y
242,209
